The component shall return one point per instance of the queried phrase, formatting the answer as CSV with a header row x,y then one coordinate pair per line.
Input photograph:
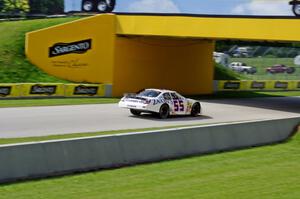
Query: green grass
x,y
264,172
14,67
263,63
4,141
55,102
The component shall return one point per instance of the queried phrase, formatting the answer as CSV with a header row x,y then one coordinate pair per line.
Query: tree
x,y
1,5
55,6
46,6
15,6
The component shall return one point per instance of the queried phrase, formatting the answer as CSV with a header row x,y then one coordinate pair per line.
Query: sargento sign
x,y
78,47
86,90
232,85
258,85
282,85
5,91
42,90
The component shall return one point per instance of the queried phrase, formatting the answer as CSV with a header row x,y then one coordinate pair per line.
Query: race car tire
x,y
296,9
135,112
164,111
290,70
88,6
196,109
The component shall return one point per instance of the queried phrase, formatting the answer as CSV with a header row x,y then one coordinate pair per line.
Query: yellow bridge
x,y
136,51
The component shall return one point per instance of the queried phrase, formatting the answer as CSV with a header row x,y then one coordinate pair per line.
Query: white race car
x,y
162,102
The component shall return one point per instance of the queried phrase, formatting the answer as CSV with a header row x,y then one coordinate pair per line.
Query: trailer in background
x,y
101,6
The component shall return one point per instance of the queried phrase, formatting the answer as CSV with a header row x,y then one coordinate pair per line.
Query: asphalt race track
x,y
41,121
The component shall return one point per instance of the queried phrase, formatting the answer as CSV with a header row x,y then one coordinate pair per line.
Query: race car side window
x,y
174,96
180,96
167,96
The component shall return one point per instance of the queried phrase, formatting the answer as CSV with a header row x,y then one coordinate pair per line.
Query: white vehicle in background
x,y
243,52
101,6
221,58
242,68
161,102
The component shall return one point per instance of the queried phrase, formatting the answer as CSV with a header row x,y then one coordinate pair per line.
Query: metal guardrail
x,y
52,158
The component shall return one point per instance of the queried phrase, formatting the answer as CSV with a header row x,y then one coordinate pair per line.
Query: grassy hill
x,y
224,73
14,67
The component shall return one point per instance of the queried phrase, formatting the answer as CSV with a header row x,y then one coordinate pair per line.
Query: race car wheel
x,y
135,112
290,70
196,109
164,111
88,6
296,9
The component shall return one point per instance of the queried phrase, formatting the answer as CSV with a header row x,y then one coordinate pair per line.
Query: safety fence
x,y
262,85
39,90
52,158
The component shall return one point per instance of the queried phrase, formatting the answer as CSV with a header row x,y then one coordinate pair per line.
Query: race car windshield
x,y
149,93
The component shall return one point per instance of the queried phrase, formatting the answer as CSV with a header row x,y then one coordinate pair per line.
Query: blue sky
x,y
240,7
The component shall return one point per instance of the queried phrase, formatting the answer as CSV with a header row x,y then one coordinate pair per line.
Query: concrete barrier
x,y
43,159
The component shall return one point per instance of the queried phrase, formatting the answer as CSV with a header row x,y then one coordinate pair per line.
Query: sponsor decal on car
x,y
232,85
178,105
283,85
158,101
78,47
258,85
43,89
5,91
86,90
189,107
